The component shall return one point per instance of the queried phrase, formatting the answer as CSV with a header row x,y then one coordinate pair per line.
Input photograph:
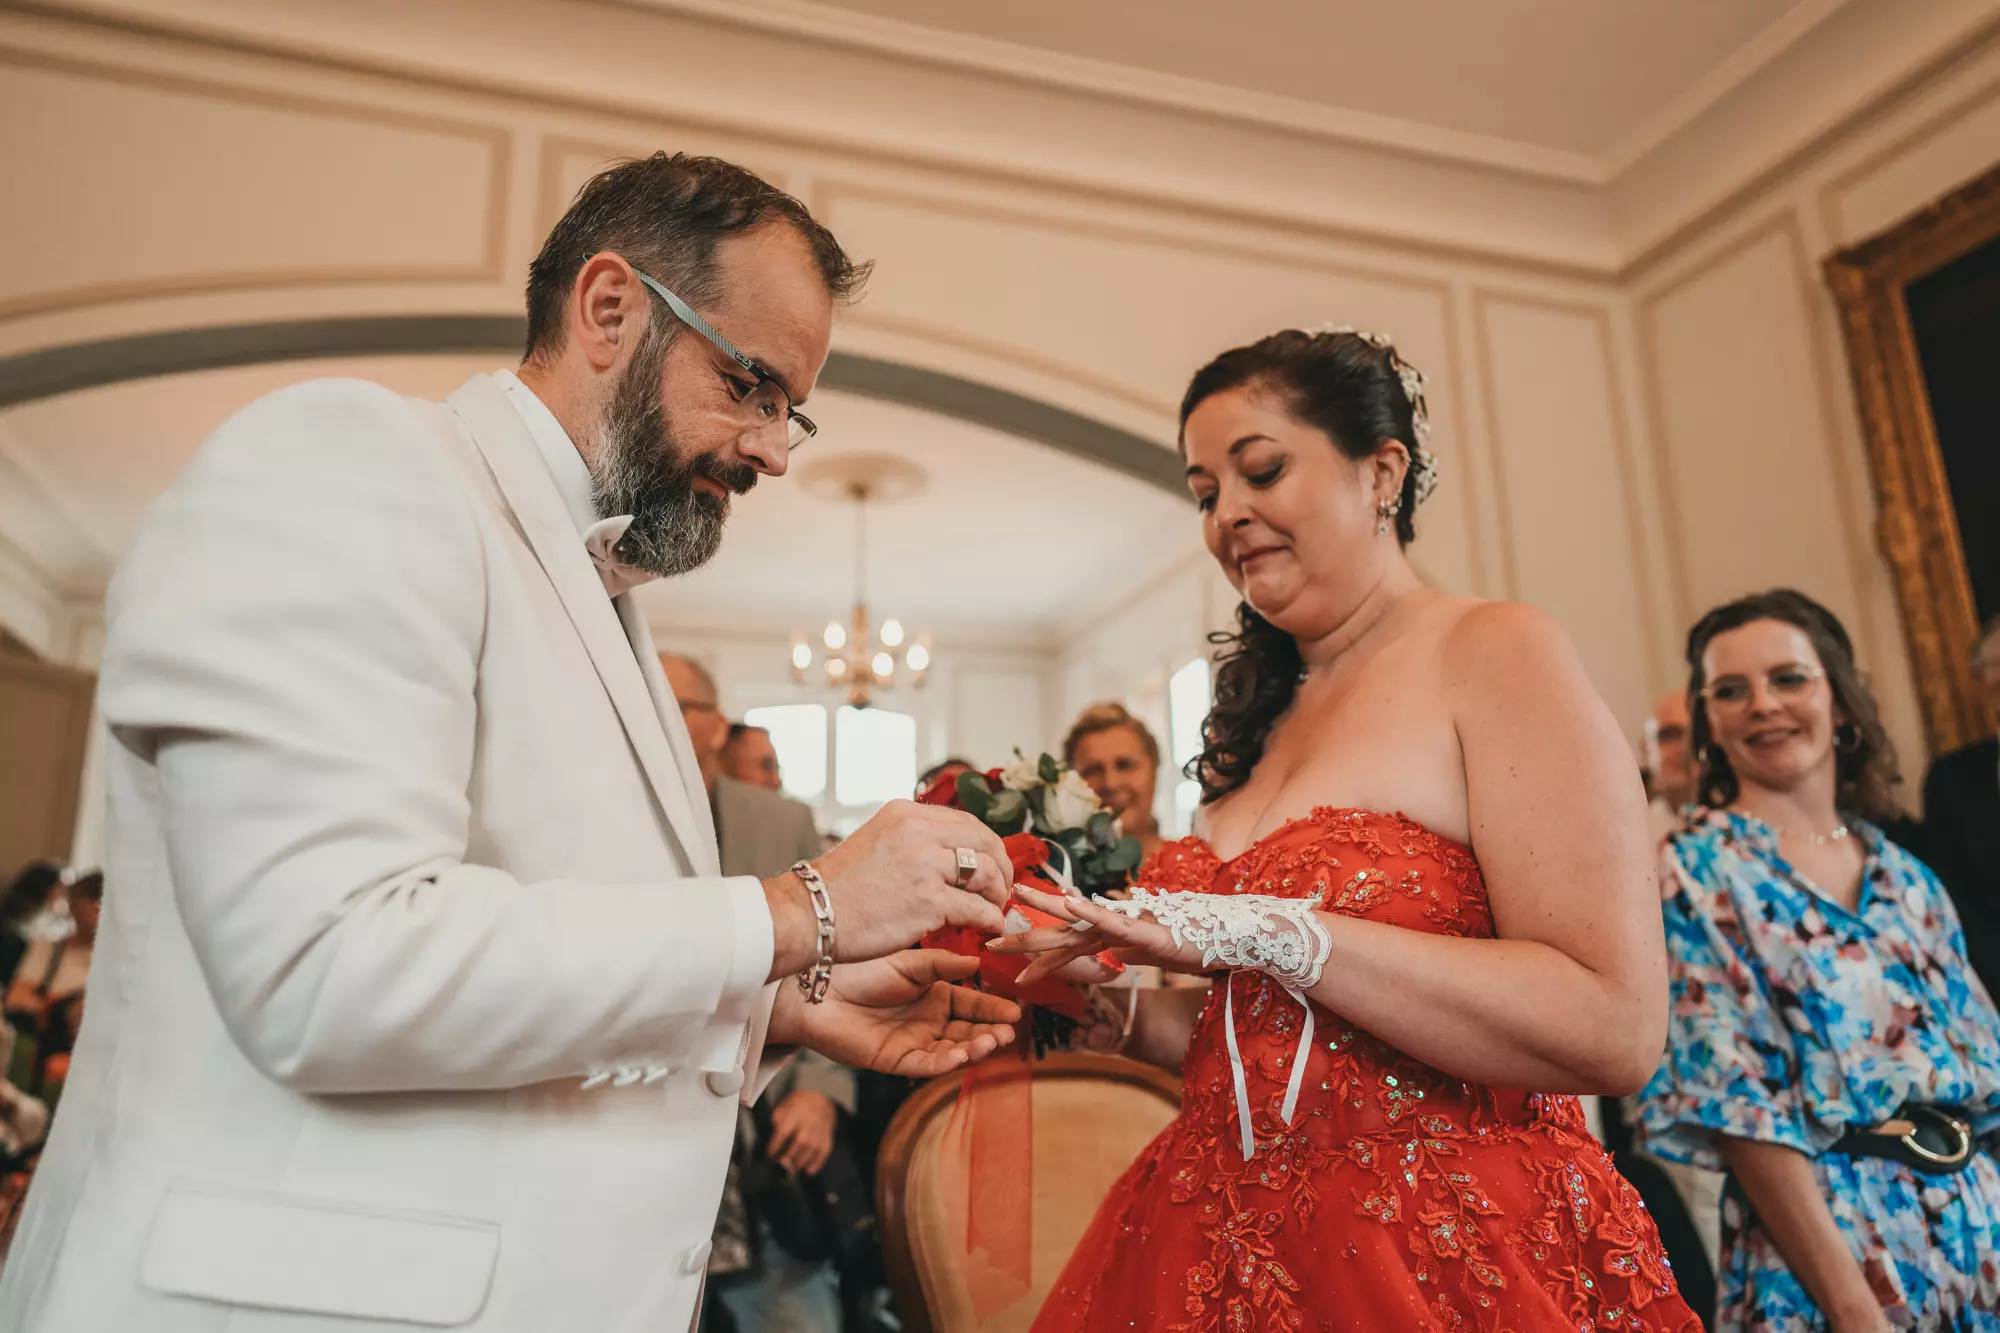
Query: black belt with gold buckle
x,y
1930,1139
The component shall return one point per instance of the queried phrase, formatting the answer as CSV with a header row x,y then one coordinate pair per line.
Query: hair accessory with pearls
x,y
1422,461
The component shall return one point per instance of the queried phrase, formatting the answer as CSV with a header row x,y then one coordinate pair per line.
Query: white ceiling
x,y
1586,77
1014,542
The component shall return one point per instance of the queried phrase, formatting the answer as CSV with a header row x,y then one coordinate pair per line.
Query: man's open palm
x,y
900,1015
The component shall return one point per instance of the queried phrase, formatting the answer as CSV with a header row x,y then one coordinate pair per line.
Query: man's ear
x,y
608,309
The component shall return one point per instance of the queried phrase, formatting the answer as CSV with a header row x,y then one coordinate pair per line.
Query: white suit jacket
x,y
406,842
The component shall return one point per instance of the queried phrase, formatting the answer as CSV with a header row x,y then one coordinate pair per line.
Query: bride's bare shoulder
x,y
1497,642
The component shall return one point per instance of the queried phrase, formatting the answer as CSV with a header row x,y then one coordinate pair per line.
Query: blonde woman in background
x,y
1116,754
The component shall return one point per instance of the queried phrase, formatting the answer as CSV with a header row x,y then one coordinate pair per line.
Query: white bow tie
x,y
601,540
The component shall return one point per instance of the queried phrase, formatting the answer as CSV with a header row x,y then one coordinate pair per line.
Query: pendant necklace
x,y
1820,839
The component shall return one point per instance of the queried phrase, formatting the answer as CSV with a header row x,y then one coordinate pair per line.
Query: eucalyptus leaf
x,y
1125,856
973,793
1103,828
1050,770
1006,812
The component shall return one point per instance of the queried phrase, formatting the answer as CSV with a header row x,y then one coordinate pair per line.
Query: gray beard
x,y
643,471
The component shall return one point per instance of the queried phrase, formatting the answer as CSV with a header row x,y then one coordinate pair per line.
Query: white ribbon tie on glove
x,y
1248,932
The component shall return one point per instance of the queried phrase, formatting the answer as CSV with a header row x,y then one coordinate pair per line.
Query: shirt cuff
x,y
755,943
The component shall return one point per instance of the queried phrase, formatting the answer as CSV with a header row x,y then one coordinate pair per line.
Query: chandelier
x,y
855,656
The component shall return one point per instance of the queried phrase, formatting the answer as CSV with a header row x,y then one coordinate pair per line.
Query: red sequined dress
x,y
1399,1198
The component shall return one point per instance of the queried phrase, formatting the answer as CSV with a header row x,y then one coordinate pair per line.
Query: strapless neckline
x,y
1316,815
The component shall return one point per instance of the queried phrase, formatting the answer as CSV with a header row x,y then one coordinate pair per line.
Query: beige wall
x,y
1756,447
1623,445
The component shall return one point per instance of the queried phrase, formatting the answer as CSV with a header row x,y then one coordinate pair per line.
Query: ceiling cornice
x,y
832,26
1742,65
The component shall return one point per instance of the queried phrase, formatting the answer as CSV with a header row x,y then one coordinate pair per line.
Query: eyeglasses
x,y
1794,680
767,401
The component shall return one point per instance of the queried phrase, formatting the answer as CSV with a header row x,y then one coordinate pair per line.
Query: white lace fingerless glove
x,y
1281,937
1244,932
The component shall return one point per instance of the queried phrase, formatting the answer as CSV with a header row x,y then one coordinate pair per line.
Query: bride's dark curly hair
x,y
1348,389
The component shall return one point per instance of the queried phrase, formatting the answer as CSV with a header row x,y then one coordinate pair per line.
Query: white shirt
x,y
566,465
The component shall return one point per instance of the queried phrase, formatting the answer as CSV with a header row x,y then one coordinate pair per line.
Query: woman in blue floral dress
x,y
1822,1005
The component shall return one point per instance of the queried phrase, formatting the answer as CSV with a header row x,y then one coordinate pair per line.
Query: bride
x,y
1422,862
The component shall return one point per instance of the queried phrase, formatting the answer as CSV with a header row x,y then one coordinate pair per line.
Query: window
x,y
798,734
1188,699
875,756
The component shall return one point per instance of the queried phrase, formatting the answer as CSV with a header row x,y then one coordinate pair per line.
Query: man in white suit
x,y
420,998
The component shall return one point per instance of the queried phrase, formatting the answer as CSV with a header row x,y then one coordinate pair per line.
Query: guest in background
x,y
1823,1012
748,756
44,1000
1669,768
26,900
24,1121
1116,754
1962,824
757,1277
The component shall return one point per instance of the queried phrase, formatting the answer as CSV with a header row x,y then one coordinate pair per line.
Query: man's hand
x,y
898,1015
802,1131
892,883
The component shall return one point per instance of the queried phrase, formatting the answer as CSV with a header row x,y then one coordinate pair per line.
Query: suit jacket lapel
x,y
503,439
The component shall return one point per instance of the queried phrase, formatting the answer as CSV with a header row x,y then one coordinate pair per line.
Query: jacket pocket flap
x,y
278,1252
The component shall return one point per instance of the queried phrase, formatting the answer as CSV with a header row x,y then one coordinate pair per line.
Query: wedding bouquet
x,y
1055,830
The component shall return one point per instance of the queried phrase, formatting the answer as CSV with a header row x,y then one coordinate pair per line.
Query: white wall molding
x,y
920,97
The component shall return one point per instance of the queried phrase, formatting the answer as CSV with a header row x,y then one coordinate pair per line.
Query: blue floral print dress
x,y
1793,1018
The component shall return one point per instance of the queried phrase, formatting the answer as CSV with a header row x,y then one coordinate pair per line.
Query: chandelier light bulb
x,y
802,655
835,668
884,664
918,658
892,632
836,636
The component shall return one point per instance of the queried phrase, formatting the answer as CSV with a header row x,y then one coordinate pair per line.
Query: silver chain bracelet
x,y
815,979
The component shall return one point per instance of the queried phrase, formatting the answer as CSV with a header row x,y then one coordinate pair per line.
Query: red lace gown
x,y
1400,1198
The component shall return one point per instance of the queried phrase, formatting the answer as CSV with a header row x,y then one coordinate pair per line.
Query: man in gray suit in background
x,y
762,832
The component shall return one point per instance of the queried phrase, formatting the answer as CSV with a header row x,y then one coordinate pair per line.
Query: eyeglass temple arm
x,y
686,315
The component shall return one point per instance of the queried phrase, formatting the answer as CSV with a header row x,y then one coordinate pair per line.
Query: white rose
x,y
1069,803
1022,775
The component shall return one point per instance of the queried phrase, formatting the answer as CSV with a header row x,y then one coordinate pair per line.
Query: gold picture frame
x,y
1917,525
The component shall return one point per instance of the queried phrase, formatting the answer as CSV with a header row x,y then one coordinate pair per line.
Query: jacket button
x,y
723,1082
695,1261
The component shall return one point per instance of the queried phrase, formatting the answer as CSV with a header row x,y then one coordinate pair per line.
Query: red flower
x,y
944,790
1027,852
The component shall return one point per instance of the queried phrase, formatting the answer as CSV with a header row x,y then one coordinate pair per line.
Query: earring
x,y
1847,738
1384,511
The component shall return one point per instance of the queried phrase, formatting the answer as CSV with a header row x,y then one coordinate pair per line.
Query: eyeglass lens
x,y
767,404
1786,682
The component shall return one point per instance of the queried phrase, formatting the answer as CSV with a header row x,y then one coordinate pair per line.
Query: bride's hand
x,y
1058,948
